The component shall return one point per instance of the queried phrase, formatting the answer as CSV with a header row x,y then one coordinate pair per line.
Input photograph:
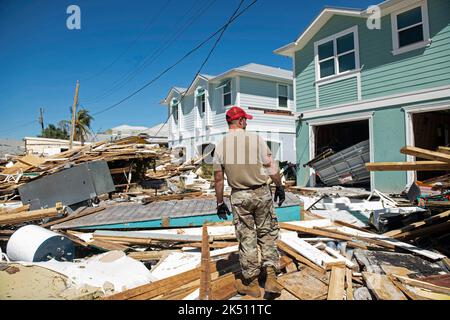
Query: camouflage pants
x,y
256,226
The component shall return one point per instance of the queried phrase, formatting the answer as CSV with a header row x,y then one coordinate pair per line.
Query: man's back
x,y
241,155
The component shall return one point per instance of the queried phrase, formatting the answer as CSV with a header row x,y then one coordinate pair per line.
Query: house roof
x,y
327,13
161,130
260,69
127,128
250,69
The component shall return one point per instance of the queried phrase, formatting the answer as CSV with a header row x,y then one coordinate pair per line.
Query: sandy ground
x,y
20,282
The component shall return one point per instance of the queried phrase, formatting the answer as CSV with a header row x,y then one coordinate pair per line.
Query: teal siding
x,y
383,73
338,92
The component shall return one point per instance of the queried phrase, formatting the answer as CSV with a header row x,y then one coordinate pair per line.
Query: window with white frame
x,y
282,96
337,54
200,95
410,29
227,94
174,106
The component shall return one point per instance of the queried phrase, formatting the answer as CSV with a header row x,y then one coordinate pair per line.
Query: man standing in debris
x,y
246,160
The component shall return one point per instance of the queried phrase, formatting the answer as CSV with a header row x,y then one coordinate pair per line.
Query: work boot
x,y
272,284
248,286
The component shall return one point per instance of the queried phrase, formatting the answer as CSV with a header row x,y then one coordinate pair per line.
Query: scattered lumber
x,y
445,150
408,166
382,287
426,154
149,237
308,251
84,212
399,233
349,284
28,216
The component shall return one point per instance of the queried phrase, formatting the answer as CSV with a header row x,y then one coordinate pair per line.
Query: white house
x,y
197,113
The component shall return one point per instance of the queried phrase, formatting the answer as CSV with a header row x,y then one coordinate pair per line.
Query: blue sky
x,y
40,59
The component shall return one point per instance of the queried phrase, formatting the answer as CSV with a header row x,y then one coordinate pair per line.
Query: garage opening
x,y
348,168
431,130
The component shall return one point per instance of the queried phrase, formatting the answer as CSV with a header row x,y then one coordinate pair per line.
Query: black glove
x,y
223,211
280,195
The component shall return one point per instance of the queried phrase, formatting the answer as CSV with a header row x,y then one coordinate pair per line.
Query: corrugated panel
x,y
338,92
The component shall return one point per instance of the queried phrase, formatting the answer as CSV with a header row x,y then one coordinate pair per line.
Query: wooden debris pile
x,y
128,160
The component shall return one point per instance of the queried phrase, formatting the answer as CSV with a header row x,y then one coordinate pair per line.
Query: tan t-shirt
x,y
241,155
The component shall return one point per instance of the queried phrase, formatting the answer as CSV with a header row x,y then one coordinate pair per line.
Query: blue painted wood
x,y
284,214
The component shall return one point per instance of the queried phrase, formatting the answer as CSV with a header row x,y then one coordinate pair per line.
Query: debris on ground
x,y
155,233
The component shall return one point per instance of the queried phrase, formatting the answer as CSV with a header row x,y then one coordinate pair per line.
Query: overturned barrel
x,y
33,244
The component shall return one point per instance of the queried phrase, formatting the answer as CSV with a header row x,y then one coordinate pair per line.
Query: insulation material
x,y
111,271
33,244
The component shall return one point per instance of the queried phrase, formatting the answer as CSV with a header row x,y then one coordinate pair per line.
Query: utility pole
x,y
41,118
74,112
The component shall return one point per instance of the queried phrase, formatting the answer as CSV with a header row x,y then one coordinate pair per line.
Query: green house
x,y
380,74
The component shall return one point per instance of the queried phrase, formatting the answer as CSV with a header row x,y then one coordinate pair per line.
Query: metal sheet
x,y
70,186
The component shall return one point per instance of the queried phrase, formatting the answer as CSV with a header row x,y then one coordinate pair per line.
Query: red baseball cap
x,y
235,113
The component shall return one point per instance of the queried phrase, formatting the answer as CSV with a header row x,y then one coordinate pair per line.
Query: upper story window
x,y
227,94
174,107
200,94
410,29
282,96
337,54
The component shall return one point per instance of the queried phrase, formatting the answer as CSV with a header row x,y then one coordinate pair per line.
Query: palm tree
x,y
82,125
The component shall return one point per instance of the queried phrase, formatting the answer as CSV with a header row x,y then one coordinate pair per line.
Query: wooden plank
x,y
339,256
336,288
205,276
425,231
408,166
158,236
17,210
349,283
422,284
402,271
382,287
28,216
399,232
425,154
390,241
321,233
303,285
290,251
310,252
445,150
442,280
150,255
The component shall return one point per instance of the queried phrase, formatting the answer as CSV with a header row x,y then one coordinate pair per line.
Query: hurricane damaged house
x,y
197,114
389,84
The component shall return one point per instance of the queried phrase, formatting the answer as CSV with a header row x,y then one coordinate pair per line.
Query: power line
x,y
167,43
179,60
233,16
147,27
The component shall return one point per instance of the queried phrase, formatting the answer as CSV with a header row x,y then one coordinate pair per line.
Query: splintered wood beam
x,y
27,216
426,154
445,150
408,166
205,277
348,280
337,284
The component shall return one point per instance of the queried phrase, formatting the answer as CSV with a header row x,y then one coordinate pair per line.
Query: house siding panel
x,y
383,73
338,92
